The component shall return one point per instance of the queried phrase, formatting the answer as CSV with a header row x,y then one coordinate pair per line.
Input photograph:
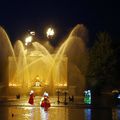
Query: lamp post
x,y
65,93
58,94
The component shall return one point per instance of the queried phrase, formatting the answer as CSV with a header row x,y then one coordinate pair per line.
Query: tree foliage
x,y
101,70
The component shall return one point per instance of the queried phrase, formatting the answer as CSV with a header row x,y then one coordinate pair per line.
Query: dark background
x,y
19,16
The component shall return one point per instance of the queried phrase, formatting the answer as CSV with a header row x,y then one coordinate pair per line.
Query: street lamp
x,y
29,38
58,93
50,33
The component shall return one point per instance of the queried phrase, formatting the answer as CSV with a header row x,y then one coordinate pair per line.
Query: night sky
x,y
19,16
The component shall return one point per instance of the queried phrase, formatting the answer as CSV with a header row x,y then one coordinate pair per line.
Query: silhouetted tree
x,y
101,70
117,53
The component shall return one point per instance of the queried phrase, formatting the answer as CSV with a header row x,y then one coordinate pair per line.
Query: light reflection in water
x,y
54,113
57,113
43,114
87,113
116,114
31,114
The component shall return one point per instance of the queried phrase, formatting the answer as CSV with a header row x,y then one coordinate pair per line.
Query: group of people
x,y
44,102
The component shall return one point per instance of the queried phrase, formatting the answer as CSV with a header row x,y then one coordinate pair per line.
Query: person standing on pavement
x,y
31,98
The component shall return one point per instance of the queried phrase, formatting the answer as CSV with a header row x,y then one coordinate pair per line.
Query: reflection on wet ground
x,y
101,109
58,113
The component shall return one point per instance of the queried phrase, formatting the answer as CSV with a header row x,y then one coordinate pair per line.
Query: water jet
x,y
63,69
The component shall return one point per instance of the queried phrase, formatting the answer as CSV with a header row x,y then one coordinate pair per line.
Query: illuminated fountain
x,y
31,66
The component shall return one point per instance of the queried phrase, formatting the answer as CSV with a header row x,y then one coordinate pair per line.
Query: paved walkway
x,y
78,102
23,101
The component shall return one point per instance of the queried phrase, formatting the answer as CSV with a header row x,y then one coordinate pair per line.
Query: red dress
x,y
31,99
45,103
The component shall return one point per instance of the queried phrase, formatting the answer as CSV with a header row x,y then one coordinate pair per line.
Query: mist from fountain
x,y
66,67
6,50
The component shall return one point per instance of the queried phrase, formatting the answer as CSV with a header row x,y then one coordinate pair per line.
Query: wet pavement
x,y
19,109
23,101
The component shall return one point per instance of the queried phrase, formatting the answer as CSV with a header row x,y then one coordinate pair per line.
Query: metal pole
x,y
65,102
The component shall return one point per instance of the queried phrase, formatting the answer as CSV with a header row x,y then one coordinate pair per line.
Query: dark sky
x,y
20,15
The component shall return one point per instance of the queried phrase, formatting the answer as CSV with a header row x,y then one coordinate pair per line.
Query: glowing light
x,y
32,32
60,84
50,33
87,97
88,113
46,83
13,85
65,84
118,96
37,77
28,40
37,84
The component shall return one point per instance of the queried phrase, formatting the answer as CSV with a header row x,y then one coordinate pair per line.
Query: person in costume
x,y
45,101
31,98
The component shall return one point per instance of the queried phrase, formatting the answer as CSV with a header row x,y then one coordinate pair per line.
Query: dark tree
x,y
101,70
117,53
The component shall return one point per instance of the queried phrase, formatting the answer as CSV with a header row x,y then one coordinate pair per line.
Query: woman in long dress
x,y
45,101
31,98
